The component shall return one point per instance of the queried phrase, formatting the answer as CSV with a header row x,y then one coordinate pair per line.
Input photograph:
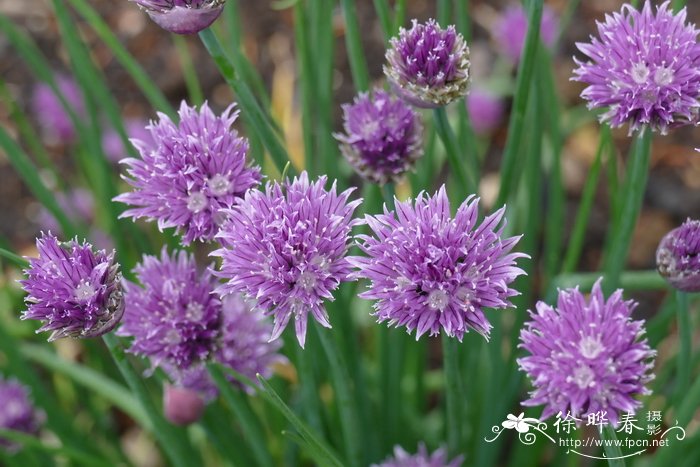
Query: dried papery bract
x,y
72,289
428,66
430,271
383,136
644,68
678,257
182,16
586,356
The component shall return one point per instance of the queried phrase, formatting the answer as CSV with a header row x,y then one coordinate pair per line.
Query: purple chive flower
x,y
644,68
190,174
182,16
48,110
285,248
586,356
112,144
428,66
678,257
430,271
421,459
16,411
383,136
485,110
511,30
73,290
174,318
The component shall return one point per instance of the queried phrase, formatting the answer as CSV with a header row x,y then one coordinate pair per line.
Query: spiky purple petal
x,y
422,458
586,356
192,172
182,16
285,249
73,290
430,271
644,68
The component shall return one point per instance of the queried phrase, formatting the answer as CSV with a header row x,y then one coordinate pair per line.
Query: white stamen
x,y
84,291
219,185
663,76
590,347
583,377
640,73
196,201
438,299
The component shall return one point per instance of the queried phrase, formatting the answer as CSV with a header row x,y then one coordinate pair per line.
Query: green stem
x,y
189,72
578,234
453,393
443,12
14,258
685,331
629,280
353,42
347,407
391,343
633,195
612,450
459,166
254,113
399,14
179,453
384,15
677,5
248,420
516,125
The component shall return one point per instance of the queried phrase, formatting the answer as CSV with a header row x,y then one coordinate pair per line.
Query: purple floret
x,y
428,66
190,174
430,271
182,16
422,458
644,69
586,356
678,256
174,318
285,248
383,136
73,290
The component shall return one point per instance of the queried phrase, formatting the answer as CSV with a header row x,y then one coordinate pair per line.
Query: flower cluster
x,y
383,136
430,271
179,323
428,66
586,356
422,458
285,248
644,68
16,411
182,16
73,290
678,256
190,173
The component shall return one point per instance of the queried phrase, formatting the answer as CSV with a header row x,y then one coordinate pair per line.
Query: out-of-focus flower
x,y
73,290
383,136
422,458
112,144
190,174
586,356
174,318
244,344
511,30
285,248
16,411
48,110
428,66
644,68
485,110
182,406
429,271
678,257
182,16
